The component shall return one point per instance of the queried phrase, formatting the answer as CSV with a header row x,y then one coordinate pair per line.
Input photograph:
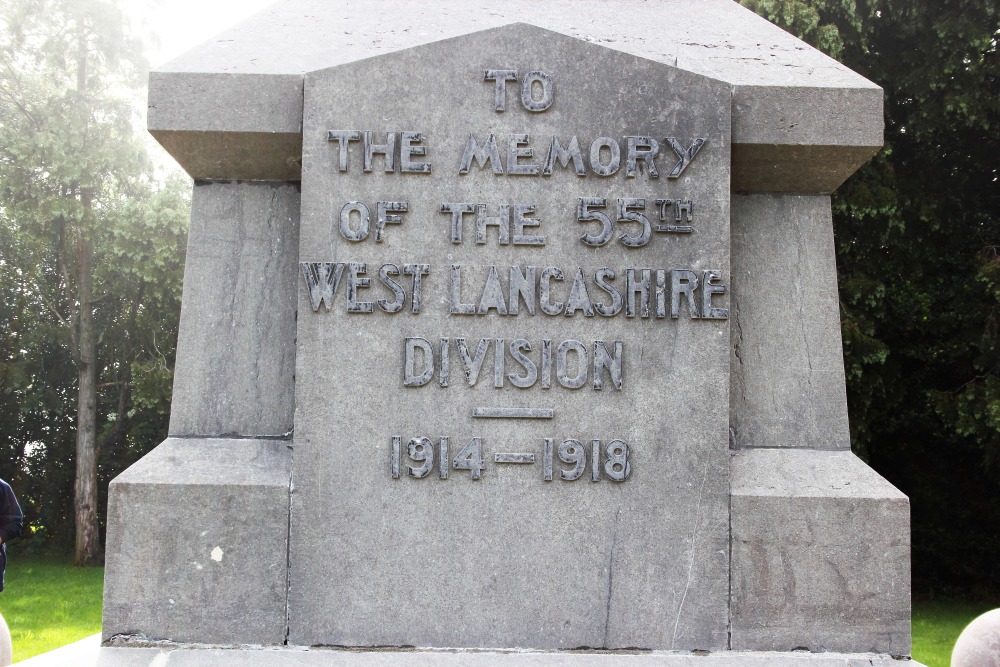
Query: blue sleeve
x,y
11,517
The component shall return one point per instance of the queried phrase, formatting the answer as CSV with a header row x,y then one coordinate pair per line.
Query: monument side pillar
x,y
819,542
212,566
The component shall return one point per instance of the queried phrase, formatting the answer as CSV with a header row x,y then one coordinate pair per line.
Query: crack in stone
x,y
690,570
611,577
288,545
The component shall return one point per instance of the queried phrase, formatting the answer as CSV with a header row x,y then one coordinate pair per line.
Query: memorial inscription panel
x,y
512,372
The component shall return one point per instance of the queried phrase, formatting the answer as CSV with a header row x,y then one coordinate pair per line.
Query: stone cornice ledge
x,y
232,107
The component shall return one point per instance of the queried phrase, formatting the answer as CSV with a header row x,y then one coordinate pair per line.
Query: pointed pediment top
x,y
231,108
716,38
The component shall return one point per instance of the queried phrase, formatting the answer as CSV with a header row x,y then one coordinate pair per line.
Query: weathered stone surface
x,y
979,643
782,167
788,98
197,542
787,387
187,656
820,554
236,347
510,560
246,156
809,140
257,137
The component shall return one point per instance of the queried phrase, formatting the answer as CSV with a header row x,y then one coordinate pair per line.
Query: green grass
x,y
936,626
49,603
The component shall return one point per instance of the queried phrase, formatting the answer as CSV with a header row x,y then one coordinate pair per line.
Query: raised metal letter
x,y
517,147
385,215
473,364
579,297
604,360
322,279
416,270
517,349
522,286
641,148
342,137
710,285
563,155
501,222
520,222
388,150
501,77
572,451
549,273
457,210
384,272
595,156
629,211
408,148
585,214
420,449
355,281
492,295
410,377
683,282
456,306
361,233
685,155
548,91
488,153
562,374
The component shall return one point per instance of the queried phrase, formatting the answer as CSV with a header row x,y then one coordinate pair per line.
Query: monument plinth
x,y
510,334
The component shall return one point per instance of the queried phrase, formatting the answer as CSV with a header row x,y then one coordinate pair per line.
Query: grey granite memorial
x,y
510,334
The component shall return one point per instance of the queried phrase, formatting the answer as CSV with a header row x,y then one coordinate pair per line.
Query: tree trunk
x,y
88,540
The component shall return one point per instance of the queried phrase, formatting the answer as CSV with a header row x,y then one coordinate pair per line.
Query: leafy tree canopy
x,y
917,235
91,250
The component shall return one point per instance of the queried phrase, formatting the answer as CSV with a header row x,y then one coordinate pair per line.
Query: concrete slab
x,y
198,549
820,554
79,652
173,656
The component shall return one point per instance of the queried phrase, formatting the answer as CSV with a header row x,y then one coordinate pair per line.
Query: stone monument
x,y
510,333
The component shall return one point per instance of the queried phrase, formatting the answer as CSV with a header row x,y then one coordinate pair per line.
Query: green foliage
x,y
937,625
917,231
49,603
825,24
77,191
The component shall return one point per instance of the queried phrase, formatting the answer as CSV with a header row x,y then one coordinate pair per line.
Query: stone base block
x,y
820,554
298,657
197,542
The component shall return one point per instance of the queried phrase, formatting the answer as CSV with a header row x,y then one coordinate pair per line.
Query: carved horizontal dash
x,y
513,457
513,413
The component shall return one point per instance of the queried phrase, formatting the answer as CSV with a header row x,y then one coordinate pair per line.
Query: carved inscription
x,y
529,365
522,290
514,155
567,461
602,225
